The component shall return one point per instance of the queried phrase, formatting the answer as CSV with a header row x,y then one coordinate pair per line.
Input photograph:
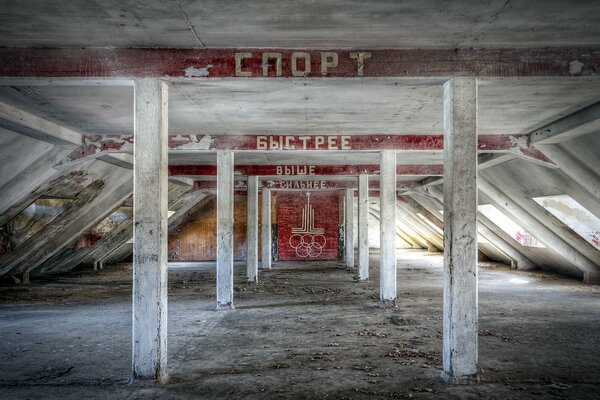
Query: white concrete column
x,y
224,229
349,231
460,314
149,323
252,230
363,227
266,229
387,197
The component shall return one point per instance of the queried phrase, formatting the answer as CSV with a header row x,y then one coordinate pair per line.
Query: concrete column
x,y
387,261
363,227
149,325
252,230
224,229
266,229
460,314
349,242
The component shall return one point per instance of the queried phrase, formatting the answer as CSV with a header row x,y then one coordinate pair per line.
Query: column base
x,y
458,379
225,307
250,280
150,381
387,304
591,277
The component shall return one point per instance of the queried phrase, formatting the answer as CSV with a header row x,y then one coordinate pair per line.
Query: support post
x,y
266,229
224,229
149,325
349,242
387,261
363,227
460,314
252,230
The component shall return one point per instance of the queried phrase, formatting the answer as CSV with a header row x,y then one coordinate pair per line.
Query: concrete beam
x,y
460,314
573,168
29,184
363,227
349,231
225,230
520,255
550,239
27,124
149,327
266,229
90,206
579,123
387,261
215,63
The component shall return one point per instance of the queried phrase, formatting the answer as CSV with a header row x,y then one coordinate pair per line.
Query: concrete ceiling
x,y
293,24
308,106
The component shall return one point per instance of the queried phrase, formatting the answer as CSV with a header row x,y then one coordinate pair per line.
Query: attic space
x,y
293,200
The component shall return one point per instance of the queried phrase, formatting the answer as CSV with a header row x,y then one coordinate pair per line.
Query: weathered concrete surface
x,y
387,267
252,229
349,230
363,227
265,229
150,186
460,317
321,334
225,229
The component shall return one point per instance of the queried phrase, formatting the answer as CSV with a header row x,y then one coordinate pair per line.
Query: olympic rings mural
x,y
307,240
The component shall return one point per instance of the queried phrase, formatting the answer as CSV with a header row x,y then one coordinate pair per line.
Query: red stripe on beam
x,y
199,63
301,170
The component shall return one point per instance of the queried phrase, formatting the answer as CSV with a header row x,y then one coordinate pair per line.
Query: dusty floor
x,y
306,331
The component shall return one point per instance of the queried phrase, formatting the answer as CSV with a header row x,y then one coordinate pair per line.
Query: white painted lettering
x,y
265,63
307,66
261,142
345,143
304,140
329,59
360,61
319,140
238,64
331,145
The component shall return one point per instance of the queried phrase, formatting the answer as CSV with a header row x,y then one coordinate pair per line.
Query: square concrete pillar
x,y
224,229
252,230
349,242
149,323
387,261
460,314
363,227
266,229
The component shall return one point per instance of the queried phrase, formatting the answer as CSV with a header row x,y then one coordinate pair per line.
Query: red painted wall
x,y
304,234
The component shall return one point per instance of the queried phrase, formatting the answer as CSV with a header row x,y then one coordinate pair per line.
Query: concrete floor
x,y
306,331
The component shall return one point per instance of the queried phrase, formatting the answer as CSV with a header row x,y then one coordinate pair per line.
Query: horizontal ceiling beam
x,y
304,170
515,144
202,63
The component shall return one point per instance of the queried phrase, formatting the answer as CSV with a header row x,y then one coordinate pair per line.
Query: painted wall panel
x,y
307,226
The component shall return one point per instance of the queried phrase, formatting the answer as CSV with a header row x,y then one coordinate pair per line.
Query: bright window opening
x,y
508,226
572,214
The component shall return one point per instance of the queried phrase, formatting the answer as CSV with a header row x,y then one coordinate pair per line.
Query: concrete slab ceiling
x,y
273,23
308,106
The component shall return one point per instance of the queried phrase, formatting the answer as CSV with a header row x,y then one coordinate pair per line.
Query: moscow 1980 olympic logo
x,y
307,240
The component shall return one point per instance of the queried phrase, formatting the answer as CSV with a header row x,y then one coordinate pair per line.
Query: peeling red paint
x,y
275,170
138,62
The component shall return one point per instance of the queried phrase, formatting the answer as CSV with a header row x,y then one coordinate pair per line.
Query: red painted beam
x,y
199,63
301,185
518,144
301,170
